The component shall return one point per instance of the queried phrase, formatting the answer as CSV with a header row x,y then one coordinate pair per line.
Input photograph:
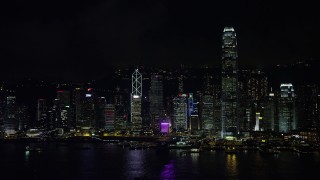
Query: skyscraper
x,y
41,114
287,111
180,112
180,84
307,106
64,97
78,106
120,112
87,110
100,113
252,94
136,96
65,110
10,122
156,100
109,116
194,117
207,111
22,117
270,112
229,82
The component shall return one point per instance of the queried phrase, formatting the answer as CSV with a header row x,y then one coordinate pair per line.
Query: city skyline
x,y
76,40
159,89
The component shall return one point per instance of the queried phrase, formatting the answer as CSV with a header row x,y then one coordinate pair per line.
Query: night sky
x,y
85,39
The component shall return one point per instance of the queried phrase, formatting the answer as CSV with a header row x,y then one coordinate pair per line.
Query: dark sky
x,y
83,39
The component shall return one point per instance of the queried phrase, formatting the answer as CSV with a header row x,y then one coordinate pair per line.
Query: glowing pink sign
x,y
164,127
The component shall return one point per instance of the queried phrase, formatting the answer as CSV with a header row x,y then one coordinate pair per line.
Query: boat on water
x,y
123,144
33,149
180,145
183,143
136,146
193,150
268,150
304,149
142,145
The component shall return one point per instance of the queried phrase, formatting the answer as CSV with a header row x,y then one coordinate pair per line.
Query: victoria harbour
x,y
109,161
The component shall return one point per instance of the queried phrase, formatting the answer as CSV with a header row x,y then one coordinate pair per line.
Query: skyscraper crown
x,y
228,29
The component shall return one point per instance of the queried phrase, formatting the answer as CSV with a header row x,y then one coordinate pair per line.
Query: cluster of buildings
x,y
230,103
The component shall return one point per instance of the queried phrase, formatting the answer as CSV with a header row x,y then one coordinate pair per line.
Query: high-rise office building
x,y
41,114
78,106
87,110
308,106
229,83
120,111
287,110
180,84
10,122
208,86
257,85
180,112
56,119
3,102
136,96
156,100
271,113
207,110
252,94
194,117
217,116
64,97
22,117
99,113
65,109
109,116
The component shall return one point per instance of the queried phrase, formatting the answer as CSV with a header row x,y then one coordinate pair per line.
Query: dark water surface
x,y
108,161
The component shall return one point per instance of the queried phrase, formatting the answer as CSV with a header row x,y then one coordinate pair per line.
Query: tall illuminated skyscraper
x,y
120,112
41,113
207,112
136,96
78,106
156,100
100,114
180,112
229,82
87,110
109,111
10,122
287,111
65,111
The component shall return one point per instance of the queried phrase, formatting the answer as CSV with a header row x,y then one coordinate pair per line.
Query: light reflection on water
x,y
135,164
168,171
26,155
232,165
194,157
112,162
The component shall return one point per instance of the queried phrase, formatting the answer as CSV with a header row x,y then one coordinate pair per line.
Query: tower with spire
x,y
136,96
229,83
